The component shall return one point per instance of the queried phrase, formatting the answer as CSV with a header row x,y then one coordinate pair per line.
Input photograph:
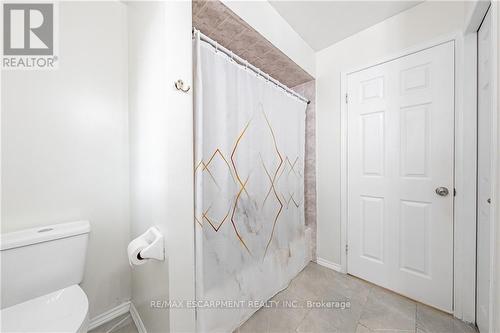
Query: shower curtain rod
x,y
245,63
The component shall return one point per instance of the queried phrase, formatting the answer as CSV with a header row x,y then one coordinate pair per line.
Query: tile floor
x,y
372,309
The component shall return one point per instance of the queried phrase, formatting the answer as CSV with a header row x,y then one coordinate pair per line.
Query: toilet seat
x,y
65,310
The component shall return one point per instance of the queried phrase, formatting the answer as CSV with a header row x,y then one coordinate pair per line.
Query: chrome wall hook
x,y
179,85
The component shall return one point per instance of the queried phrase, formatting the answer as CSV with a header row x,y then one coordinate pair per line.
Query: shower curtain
x,y
249,189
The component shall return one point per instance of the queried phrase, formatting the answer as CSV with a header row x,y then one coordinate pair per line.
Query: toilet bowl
x,y
64,310
40,270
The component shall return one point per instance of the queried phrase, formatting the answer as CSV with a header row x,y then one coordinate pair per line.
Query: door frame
x,y
476,33
495,195
464,208
473,23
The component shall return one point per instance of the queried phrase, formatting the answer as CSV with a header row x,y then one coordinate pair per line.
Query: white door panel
x,y
484,171
400,149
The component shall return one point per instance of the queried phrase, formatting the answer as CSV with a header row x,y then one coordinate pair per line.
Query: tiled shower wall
x,y
221,24
308,90
218,22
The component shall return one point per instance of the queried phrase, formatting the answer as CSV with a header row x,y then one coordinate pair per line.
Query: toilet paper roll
x,y
133,249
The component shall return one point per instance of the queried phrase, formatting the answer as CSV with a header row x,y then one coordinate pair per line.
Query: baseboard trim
x,y
329,264
137,319
109,315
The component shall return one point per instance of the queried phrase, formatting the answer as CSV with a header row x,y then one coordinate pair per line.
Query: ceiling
x,y
323,23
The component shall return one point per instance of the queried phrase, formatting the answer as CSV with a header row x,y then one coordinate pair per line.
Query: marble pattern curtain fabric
x,y
249,188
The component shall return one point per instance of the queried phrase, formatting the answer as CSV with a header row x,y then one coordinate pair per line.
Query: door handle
x,y
442,191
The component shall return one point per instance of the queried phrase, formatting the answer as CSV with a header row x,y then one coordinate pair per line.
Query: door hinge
x,y
346,99
454,192
346,248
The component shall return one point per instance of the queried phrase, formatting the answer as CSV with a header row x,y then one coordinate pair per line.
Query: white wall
x,y
65,144
161,136
146,102
412,27
270,24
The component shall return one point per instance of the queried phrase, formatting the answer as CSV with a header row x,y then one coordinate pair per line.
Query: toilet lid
x,y
61,311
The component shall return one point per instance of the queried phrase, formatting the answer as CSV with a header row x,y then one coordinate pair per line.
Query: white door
x,y
400,154
484,71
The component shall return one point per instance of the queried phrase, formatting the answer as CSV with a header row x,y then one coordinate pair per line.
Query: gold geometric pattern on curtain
x,y
285,169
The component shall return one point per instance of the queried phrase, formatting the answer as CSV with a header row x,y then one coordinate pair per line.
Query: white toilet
x,y
41,270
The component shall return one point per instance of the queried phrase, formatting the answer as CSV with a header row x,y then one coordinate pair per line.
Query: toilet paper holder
x,y
156,247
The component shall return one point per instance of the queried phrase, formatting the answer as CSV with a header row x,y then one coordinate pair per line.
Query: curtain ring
x,y
216,47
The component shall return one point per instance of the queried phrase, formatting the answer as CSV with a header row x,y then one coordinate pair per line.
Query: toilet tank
x,y
37,261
